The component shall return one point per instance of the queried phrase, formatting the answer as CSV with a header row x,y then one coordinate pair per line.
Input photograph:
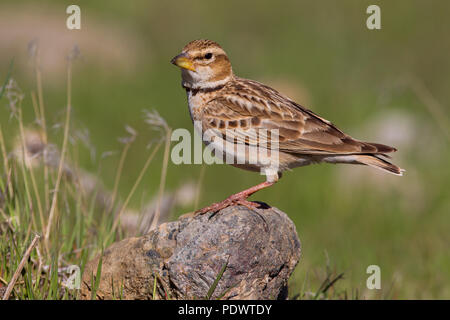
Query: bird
x,y
234,110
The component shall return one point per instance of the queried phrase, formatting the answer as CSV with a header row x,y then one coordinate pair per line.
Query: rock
x,y
258,249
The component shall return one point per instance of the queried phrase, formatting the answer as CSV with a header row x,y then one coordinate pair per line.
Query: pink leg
x,y
237,199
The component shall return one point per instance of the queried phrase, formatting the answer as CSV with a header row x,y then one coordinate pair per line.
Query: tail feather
x,y
382,148
379,163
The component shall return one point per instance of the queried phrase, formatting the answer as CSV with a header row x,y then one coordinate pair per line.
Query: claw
x,y
248,204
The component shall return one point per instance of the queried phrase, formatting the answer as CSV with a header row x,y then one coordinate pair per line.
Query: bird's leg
x,y
239,198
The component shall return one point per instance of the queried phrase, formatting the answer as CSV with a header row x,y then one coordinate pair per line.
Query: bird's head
x,y
204,64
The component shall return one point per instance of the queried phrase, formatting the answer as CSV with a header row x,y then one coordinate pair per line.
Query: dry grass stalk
x,y
63,151
20,267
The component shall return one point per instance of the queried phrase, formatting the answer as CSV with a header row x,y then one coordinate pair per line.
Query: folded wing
x,y
248,110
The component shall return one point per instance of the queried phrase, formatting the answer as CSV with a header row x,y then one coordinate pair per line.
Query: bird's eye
x,y
208,55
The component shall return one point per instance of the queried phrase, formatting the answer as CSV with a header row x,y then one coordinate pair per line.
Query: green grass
x,y
346,219
41,195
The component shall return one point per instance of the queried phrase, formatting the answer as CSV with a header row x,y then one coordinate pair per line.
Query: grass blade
x,y
216,282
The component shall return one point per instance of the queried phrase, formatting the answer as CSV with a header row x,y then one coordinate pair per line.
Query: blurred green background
x,y
389,86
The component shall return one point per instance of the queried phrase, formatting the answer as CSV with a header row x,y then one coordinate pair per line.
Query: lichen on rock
x,y
258,249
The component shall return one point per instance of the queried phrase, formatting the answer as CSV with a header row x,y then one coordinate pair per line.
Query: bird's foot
x,y
230,201
236,199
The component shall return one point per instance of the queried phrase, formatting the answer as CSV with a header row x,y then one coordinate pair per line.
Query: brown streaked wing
x,y
225,114
245,104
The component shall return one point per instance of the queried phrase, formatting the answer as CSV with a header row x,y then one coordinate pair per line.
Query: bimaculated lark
x,y
233,110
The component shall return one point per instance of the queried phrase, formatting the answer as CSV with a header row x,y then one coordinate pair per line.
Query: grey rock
x,y
259,250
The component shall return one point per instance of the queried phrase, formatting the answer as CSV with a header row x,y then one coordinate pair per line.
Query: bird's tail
x,y
376,161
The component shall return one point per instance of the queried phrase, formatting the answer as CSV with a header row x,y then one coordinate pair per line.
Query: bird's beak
x,y
183,61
